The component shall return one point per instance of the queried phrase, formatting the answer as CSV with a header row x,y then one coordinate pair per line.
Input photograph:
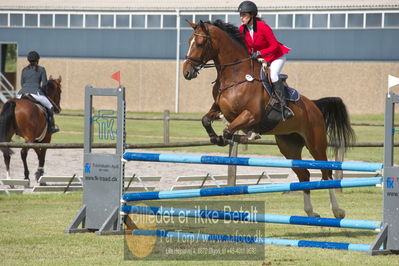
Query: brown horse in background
x,y
29,121
244,103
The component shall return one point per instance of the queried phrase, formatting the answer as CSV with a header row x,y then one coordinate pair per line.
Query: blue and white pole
x,y
246,161
250,240
252,189
251,217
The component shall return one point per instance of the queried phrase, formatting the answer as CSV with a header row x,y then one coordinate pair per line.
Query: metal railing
x,y
7,90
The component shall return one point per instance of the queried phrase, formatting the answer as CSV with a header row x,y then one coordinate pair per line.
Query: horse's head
x,y
218,41
54,92
200,50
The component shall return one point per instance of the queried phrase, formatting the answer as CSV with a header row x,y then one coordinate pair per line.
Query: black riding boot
x,y
51,126
286,112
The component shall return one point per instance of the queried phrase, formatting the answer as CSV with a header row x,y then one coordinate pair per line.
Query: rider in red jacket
x,y
261,43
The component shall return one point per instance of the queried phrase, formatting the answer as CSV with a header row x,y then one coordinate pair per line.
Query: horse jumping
x,y
29,121
244,103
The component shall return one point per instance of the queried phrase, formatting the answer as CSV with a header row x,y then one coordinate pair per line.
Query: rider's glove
x,y
255,55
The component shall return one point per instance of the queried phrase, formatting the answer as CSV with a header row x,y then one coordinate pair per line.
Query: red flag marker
x,y
117,76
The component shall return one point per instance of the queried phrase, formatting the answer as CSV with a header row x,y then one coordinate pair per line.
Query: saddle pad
x,y
290,94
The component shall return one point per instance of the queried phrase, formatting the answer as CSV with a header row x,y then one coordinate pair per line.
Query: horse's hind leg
x,y
24,154
7,159
291,147
41,155
318,147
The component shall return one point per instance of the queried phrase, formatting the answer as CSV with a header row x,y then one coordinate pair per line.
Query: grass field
x,y
32,232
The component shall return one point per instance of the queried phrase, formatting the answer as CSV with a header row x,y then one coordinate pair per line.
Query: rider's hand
x,y
255,55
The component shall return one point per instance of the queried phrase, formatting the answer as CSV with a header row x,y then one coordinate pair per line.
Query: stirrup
x,y
53,130
287,110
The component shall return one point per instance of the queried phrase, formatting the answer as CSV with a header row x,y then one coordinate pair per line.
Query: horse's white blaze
x,y
191,45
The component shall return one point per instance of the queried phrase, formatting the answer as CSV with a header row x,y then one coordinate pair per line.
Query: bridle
x,y
200,63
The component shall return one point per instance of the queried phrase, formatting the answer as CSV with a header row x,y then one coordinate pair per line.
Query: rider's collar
x,y
252,27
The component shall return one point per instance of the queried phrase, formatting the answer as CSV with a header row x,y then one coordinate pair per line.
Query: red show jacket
x,y
263,41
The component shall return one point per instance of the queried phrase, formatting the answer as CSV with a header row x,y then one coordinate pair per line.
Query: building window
x,y
61,20
154,21
218,16
319,20
3,19
285,21
169,21
16,20
122,21
204,18
302,21
76,21
91,21
355,20
270,20
183,19
107,21
234,19
391,20
46,20
31,20
337,21
373,20
138,21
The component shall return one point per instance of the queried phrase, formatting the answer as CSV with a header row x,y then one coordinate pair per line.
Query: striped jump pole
x,y
252,189
250,240
246,161
251,217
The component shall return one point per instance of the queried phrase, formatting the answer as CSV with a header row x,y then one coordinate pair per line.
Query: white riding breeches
x,y
41,99
275,68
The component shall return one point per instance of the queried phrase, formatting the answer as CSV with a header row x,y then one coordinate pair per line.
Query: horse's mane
x,y
230,29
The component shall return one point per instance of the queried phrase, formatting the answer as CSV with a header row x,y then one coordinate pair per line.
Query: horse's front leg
x,y
212,115
245,120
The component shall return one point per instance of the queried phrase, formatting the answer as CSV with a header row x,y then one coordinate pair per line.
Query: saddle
x,y
290,94
272,114
28,97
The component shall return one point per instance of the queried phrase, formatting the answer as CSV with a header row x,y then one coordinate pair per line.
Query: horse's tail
x,y
339,130
6,122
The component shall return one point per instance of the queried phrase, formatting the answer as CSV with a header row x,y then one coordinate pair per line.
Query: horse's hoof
x,y
219,140
313,214
339,213
214,140
38,174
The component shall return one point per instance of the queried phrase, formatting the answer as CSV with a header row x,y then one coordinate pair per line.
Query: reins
x,y
227,64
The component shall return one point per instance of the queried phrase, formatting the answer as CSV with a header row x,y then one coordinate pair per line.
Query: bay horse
x,y
29,121
243,102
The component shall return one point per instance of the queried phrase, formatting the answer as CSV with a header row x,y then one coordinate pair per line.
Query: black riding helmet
x,y
33,56
248,7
